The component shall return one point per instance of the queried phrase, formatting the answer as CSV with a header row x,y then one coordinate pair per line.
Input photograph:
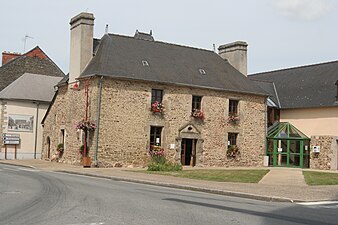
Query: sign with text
x,y
11,139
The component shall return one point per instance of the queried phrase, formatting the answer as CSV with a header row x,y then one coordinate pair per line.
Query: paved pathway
x,y
284,176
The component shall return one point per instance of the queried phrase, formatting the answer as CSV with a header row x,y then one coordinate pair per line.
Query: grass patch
x,y
241,176
320,178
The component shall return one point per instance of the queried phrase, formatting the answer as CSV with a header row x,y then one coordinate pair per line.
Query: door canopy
x,y
285,130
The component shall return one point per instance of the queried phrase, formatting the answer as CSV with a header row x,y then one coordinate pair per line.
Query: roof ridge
x,y
162,42
292,68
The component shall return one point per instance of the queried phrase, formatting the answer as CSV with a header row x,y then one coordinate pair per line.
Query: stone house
x,y
140,92
306,97
26,89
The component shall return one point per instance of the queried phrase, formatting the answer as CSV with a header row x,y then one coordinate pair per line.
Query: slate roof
x,y
269,87
121,57
12,70
304,86
33,87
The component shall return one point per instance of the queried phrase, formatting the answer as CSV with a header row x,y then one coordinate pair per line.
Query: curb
x,y
190,188
11,164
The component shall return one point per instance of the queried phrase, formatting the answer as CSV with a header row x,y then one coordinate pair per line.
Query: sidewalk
x,y
280,184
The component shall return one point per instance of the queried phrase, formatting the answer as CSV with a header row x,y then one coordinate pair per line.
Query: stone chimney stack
x,y
81,43
236,54
8,56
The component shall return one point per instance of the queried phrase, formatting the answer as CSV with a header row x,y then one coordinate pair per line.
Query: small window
x,y
233,107
155,135
196,103
337,90
202,71
62,137
145,63
232,139
156,95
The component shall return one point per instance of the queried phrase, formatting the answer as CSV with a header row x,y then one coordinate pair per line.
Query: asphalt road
x,y
29,196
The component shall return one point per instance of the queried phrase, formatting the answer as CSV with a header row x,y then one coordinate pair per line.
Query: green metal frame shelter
x,y
287,146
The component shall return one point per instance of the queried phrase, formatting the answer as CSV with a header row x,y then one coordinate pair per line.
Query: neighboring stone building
x,y
307,97
203,95
26,89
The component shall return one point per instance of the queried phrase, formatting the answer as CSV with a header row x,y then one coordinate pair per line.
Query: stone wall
x,y
67,109
126,118
327,158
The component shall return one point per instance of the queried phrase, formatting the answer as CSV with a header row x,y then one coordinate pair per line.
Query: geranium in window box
x,y
85,125
233,119
233,151
157,107
198,113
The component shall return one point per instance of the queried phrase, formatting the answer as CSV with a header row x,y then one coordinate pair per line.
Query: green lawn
x,y
241,176
320,178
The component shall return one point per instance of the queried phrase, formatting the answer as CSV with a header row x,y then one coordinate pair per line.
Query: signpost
x,y
10,139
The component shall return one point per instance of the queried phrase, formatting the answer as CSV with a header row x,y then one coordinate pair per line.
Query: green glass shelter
x,y
287,146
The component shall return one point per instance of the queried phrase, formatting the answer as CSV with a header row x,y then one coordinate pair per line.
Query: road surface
x,y
29,196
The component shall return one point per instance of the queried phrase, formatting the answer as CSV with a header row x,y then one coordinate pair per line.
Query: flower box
x,y
198,114
85,125
233,151
233,119
157,107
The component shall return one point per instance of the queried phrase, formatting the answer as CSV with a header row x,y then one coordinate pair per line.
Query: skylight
x,y
145,63
202,71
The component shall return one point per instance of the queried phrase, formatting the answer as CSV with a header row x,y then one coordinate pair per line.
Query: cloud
x,y
307,10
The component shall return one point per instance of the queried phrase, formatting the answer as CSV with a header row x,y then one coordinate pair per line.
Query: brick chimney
x,y
236,54
8,56
81,43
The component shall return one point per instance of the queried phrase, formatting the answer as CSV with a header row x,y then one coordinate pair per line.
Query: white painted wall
x,y
27,139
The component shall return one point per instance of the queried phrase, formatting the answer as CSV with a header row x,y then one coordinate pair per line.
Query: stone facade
x,y
327,158
126,119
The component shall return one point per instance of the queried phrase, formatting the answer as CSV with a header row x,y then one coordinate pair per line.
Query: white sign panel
x,y
280,149
11,139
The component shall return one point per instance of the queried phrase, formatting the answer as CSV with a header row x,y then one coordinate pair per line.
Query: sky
x,y
280,33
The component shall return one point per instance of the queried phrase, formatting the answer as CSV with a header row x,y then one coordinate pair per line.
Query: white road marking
x,y
100,223
19,169
318,203
30,170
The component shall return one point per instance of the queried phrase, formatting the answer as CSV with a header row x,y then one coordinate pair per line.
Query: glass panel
x,y
294,160
283,133
281,160
294,146
306,147
270,159
284,146
294,133
306,161
270,146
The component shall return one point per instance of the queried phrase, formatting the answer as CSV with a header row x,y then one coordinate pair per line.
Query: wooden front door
x,y
188,152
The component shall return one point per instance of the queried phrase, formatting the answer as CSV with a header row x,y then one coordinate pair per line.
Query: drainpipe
x,y
98,121
36,128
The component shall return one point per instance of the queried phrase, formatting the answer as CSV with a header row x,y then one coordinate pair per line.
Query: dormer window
x,y
145,63
202,71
